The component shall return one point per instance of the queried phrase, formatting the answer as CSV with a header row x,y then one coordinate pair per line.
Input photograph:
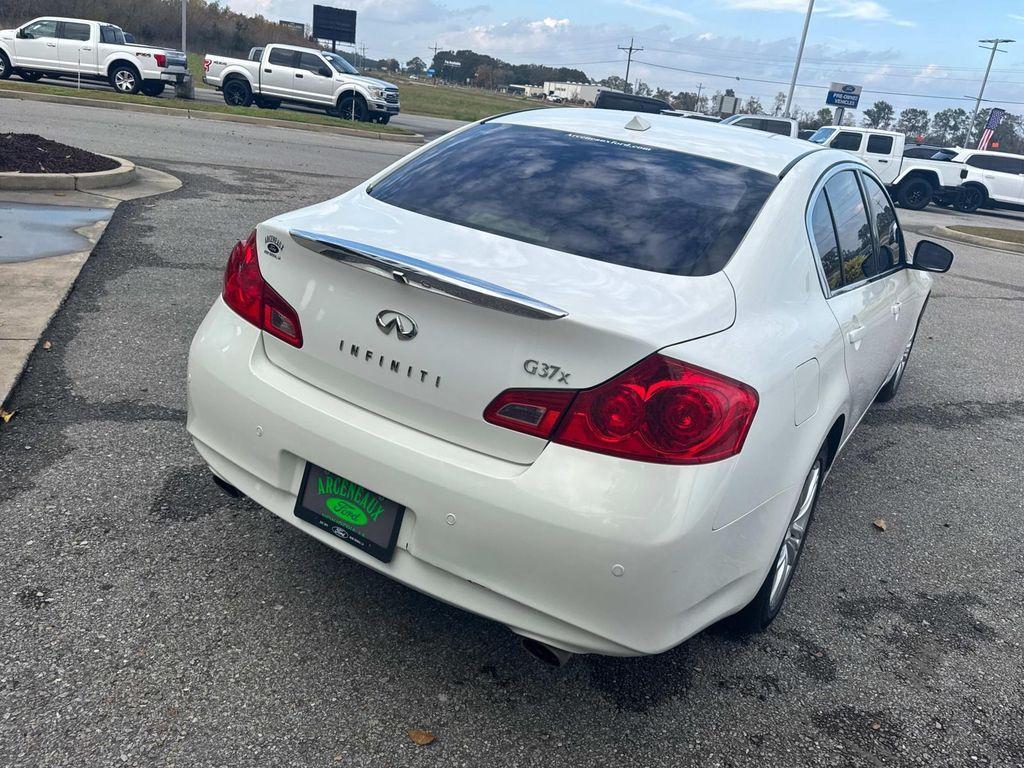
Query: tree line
x,y
211,28
488,72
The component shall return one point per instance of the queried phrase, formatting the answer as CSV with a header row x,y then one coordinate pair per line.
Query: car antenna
x,y
636,124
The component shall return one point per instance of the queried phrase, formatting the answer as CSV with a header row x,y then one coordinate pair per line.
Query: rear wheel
x,y
237,93
5,66
125,79
153,87
30,77
915,193
970,199
762,610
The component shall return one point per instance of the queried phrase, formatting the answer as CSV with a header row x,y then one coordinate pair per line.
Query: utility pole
x,y
696,104
184,8
799,55
364,55
629,58
995,43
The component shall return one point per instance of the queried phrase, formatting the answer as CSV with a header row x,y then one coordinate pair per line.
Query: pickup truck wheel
x,y
970,199
30,77
153,87
124,79
5,66
352,108
915,193
237,93
384,119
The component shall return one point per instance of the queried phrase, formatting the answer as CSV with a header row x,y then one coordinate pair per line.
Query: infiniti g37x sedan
x,y
580,372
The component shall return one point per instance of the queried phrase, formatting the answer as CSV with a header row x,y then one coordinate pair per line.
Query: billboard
x,y
294,26
336,24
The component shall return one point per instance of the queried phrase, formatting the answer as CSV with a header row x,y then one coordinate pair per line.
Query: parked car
x,y
690,115
989,178
95,50
580,372
784,126
286,73
915,182
630,102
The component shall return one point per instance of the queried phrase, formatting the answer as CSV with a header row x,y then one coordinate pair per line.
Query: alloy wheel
x,y
793,542
124,81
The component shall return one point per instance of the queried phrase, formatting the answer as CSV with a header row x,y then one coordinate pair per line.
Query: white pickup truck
x,y
915,182
286,73
783,126
95,50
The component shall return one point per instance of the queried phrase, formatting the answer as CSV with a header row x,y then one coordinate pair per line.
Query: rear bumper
x,y
534,547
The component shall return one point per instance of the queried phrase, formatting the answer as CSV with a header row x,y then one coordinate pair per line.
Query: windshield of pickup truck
x,y
822,135
340,64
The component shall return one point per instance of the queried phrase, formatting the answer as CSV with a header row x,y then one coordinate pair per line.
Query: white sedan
x,y
580,372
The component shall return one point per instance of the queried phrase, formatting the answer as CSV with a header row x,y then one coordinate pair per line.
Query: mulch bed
x,y
28,153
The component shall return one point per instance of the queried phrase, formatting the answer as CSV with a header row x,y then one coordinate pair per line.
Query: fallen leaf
x,y
6,416
421,738
880,523
47,345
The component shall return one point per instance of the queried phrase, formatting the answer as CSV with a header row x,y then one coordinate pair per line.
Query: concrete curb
x,y
988,242
115,177
6,93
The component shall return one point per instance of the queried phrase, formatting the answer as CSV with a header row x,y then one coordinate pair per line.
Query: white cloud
x,y
660,9
862,10
1016,17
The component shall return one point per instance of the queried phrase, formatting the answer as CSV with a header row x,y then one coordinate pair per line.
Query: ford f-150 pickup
x,y
286,73
53,45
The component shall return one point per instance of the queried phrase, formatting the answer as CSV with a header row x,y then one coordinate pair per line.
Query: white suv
x,y
990,177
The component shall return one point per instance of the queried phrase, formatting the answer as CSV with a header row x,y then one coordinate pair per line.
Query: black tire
x,y
970,199
767,603
892,386
352,107
237,93
267,103
915,193
5,66
384,119
30,77
153,87
124,78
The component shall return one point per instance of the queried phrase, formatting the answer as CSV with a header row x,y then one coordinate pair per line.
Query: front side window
x,y
886,226
310,62
822,135
880,145
749,122
44,28
848,140
824,234
777,126
605,199
282,57
340,65
853,229
71,30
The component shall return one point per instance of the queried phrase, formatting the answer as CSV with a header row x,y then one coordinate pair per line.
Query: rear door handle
x,y
856,334
896,308
51,45
883,161
269,71
298,75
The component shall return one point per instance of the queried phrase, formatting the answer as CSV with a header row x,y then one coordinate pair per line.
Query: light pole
x,y
184,7
799,55
995,43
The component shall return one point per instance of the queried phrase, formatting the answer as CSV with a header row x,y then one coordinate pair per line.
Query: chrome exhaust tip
x,y
549,654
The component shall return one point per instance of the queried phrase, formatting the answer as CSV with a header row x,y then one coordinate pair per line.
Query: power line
x,y
629,58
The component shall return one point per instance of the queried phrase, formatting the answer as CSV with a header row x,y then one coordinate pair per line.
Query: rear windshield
x,y
614,201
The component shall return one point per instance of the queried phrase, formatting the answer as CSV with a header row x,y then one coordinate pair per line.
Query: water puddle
x,y
36,231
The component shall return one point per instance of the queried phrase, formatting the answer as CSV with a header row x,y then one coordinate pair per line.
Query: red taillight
x,y
660,410
206,65
248,294
161,59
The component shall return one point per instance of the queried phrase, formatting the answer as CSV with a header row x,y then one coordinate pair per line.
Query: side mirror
x,y
325,72
931,257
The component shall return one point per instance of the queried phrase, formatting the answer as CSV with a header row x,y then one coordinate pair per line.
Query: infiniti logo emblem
x,y
389,320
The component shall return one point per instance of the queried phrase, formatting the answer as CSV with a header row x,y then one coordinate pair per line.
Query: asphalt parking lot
x,y
148,619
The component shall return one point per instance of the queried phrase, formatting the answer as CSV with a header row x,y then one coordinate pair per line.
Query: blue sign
x,y
430,72
843,95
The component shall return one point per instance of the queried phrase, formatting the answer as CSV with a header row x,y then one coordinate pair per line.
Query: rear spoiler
x,y
426,276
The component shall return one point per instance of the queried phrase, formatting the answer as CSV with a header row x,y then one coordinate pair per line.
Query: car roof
x,y
767,152
293,48
763,117
989,152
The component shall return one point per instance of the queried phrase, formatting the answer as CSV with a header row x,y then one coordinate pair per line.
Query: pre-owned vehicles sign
x,y
843,95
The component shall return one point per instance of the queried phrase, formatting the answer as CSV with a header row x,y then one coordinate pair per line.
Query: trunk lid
x,y
491,314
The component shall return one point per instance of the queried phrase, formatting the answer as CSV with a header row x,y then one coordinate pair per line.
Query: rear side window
x,y
70,30
111,35
880,145
886,226
847,140
852,227
995,163
282,57
776,126
604,199
825,241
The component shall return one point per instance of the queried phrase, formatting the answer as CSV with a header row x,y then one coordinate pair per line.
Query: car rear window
x,y
614,201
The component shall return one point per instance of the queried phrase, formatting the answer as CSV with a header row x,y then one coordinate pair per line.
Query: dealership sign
x,y
843,95
335,24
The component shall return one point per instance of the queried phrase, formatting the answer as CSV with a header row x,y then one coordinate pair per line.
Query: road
x,y
429,127
149,620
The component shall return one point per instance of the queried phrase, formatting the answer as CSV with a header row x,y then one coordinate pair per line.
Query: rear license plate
x,y
354,514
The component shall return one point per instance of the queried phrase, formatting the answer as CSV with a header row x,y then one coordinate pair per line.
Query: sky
x,y
921,53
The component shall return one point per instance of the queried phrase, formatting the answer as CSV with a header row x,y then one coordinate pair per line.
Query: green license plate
x,y
354,514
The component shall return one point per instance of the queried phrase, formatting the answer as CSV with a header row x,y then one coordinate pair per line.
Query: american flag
x,y
995,117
